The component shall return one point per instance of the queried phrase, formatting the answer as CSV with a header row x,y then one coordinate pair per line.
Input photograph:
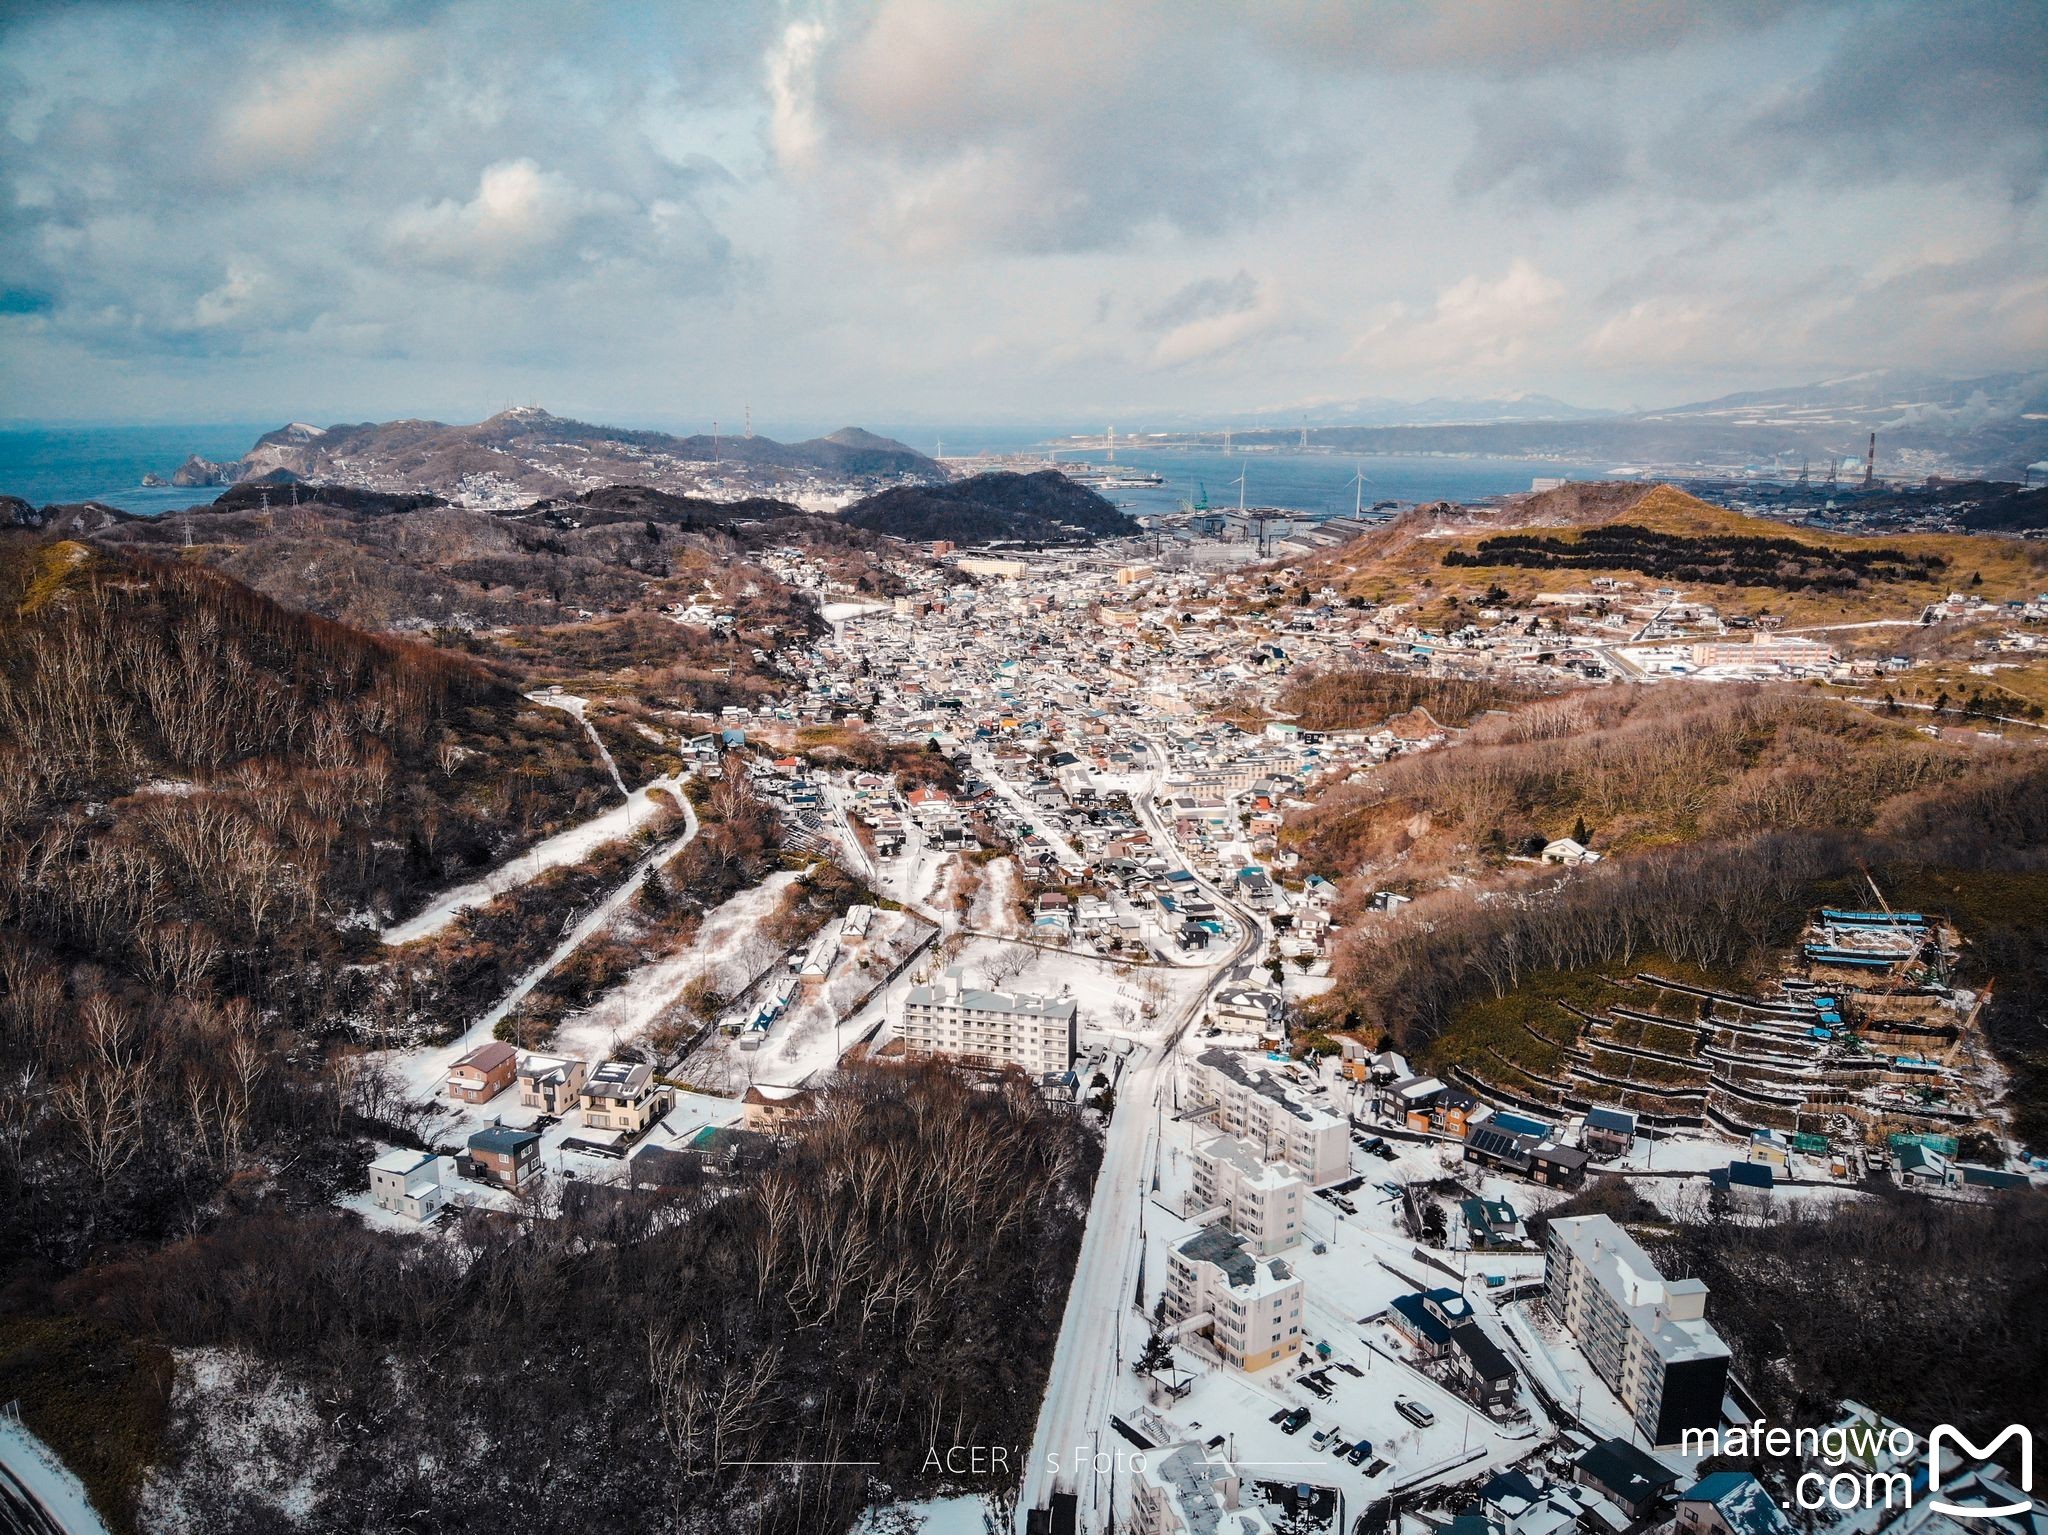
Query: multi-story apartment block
x,y
1261,1201
1648,1337
1256,1105
1185,1489
1249,1307
993,1028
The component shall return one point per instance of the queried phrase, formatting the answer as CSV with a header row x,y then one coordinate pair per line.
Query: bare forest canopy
x,y
587,590
1712,559
1360,697
1724,814
208,802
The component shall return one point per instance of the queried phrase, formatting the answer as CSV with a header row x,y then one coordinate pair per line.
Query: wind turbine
x,y
1358,482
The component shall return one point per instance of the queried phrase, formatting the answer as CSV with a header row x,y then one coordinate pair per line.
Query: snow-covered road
x,y
1102,1325
569,703
571,846
1033,816
425,1070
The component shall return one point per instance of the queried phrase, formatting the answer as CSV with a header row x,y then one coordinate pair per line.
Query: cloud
x,y
1541,153
1906,92
1204,299
1475,324
519,215
1042,207
792,90
297,110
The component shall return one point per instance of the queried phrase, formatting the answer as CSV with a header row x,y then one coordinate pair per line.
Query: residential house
x,y
992,1028
1261,1201
409,1183
1185,1489
1646,1336
1261,1106
1491,1225
504,1156
1729,1503
550,1083
1250,1308
773,1110
1609,1132
1635,1481
623,1096
483,1073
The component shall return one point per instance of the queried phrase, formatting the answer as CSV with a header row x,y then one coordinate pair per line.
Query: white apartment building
x,y
1249,1307
1261,1201
1255,1104
1647,1336
993,1028
1189,1489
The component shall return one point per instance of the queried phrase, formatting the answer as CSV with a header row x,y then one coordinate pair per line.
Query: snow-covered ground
x,y
424,1071
931,1516
812,1036
30,1470
727,950
571,846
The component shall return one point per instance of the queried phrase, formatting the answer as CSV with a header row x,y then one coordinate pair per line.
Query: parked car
x,y
1295,1421
1414,1411
1359,1452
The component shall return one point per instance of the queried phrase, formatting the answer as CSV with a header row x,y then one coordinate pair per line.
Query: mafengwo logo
x,y
1944,1435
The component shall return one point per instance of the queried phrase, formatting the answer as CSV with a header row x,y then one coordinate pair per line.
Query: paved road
x,y
1102,1327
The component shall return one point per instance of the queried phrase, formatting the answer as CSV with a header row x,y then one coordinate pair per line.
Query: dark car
x,y
1359,1452
1295,1421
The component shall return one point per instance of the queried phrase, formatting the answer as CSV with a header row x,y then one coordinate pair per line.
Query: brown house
x,y
504,1156
774,1109
483,1073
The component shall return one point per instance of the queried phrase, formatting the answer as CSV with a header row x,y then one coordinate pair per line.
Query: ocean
x,y
1320,484
107,463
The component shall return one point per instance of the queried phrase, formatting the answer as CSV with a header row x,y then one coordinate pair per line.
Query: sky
x,y
948,210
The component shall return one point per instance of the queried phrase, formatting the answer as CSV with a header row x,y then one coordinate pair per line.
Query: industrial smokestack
x,y
1870,463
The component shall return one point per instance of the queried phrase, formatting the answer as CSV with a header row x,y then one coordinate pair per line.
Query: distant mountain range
x,y
519,454
1435,411
1993,426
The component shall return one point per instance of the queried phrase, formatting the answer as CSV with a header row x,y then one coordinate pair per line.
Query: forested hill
x,y
1002,507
